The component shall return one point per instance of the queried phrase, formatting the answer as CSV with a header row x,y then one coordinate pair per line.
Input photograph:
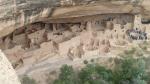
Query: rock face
x,y
17,13
7,73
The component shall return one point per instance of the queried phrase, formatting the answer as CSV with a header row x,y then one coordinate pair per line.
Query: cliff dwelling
x,y
35,41
32,43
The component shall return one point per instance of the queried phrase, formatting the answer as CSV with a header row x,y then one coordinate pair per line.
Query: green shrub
x,y
28,80
92,60
95,74
67,76
85,62
128,70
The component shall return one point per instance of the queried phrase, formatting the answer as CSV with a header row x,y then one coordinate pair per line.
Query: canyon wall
x,y
7,73
18,13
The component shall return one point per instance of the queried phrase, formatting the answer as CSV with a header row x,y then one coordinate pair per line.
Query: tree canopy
x,y
128,71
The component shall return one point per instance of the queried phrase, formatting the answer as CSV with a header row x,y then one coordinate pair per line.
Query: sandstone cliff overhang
x,y
17,13
89,12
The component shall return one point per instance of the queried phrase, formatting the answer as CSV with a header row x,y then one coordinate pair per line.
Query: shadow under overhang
x,y
89,12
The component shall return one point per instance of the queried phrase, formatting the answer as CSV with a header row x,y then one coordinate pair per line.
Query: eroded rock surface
x,y
18,13
34,31
7,73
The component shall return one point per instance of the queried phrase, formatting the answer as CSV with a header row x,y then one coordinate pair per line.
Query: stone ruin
x,y
32,43
26,38
67,3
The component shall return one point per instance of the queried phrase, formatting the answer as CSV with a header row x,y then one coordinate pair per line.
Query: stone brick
x,y
37,37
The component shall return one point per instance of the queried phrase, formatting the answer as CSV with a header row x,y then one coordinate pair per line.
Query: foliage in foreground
x,y
128,71
67,76
27,80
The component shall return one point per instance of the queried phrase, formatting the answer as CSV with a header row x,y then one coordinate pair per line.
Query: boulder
x,y
7,73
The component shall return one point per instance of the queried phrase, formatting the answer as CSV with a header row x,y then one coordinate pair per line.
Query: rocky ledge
x,y
17,13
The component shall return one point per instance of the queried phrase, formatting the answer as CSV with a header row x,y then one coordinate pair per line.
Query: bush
x,y
92,60
85,62
67,76
95,74
27,80
128,70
